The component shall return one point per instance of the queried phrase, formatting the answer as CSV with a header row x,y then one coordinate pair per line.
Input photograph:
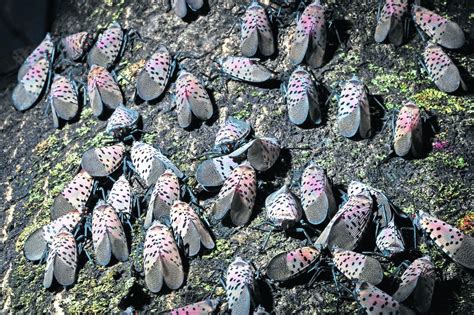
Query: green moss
x,y
433,99
223,249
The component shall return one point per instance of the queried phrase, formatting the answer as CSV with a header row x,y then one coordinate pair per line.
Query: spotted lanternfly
x,y
256,32
384,213
353,115
45,50
302,98
153,79
317,198
77,45
212,173
180,7
283,209
231,135
418,281
309,41
357,266
102,90
390,23
189,229
245,69
103,161
262,153
165,193
161,259
62,260
442,31
389,240
30,87
376,302
122,122
107,47
442,69
237,195
287,265
120,197
451,240
191,100
408,132
37,243
74,196
63,99
200,308
240,287
150,163
108,236
346,228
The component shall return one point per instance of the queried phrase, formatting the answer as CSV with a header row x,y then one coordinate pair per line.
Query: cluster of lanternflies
x,y
174,223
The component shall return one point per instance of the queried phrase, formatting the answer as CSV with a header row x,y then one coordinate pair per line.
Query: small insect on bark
x,y
262,153
418,281
346,228
63,99
409,131
74,196
108,236
389,241
192,100
288,265
150,163
375,301
256,32
161,259
122,123
163,196
189,229
102,90
240,286
454,243
390,24
120,198
283,208
353,116
205,307
442,31
357,266
154,77
442,70
107,48
62,260
317,197
309,42
237,195
231,135
36,244
77,45
180,7
302,98
245,69
34,75
101,162
45,50
383,213
212,173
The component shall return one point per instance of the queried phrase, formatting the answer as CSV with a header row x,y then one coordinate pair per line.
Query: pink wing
x,y
161,259
287,265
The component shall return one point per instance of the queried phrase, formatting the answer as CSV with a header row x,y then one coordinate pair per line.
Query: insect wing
x,y
154,78
161,259
288,265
